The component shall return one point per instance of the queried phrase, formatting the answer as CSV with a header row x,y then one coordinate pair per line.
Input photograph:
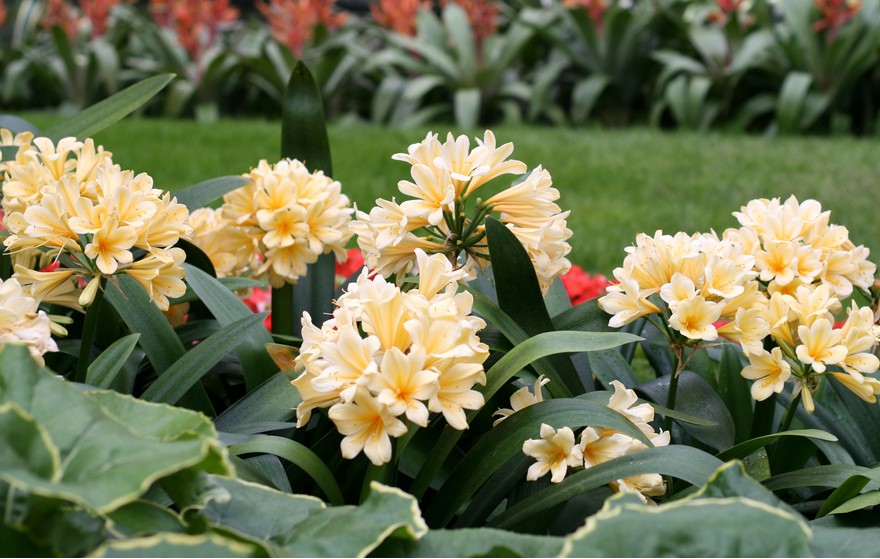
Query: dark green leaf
x,y
203,194
104,369
745,448
303,129
196,363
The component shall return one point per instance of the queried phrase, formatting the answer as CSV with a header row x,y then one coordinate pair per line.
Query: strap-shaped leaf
x,y
205,193
226,307
273,401
519,296
505,441
296,454
196,363
745,448
683,462
313,293
102,114
105,368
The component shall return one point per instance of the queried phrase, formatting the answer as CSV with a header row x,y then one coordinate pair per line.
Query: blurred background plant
x,y
760,66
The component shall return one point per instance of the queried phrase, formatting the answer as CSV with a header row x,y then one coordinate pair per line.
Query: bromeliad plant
x,y
438,389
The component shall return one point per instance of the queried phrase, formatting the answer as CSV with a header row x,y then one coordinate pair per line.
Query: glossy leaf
x,y
196,363
696,397
227,308
102,114
298,455
505,441
274,400
683,462
747,447
840,500
203,194
104,369
103,460
731,527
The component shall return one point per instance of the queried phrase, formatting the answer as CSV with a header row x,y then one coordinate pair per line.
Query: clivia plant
x,y
448,399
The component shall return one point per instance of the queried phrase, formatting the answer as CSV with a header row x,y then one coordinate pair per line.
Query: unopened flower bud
x,y
88,294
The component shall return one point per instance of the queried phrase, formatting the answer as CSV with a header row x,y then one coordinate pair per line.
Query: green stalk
x,y
673,384
792,411
283,311
90,329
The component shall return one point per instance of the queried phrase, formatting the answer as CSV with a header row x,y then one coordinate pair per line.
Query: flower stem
x,y
673,384
791,412
282,311
90,329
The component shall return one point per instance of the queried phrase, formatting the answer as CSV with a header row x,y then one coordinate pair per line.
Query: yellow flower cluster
x,y
276,225
68,203
388,355
699,278
21,322
443,190
556,451
779,277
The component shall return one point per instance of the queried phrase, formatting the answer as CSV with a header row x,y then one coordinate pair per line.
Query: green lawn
x,y
615,182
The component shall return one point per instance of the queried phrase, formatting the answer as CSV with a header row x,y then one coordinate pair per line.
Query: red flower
x,y
196,22
834,14
398,15
581,287
293,22
98,11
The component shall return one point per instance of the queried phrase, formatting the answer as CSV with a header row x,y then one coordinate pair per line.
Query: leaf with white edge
x,y
178,545
473,542
25,445
205,193
104,113
683,462
306,527
104,463
729,527
143,518
104,369
731,480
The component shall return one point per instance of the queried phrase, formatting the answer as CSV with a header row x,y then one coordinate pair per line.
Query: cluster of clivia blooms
x,y
774,285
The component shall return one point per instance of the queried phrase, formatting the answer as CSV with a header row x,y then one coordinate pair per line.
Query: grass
x,y
616,183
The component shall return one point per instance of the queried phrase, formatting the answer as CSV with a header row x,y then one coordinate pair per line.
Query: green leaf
x,y
298,455
143,518
686,463
832,475
734,390
205,193
461,38
103,461
505,441
227,307
732,527
104,113
473,542
840,501
303,128
158,338
791,101
177,545
731,480
196,363
467,107
302,525
845,542
104,369
274,400
696,397
519,296
862,501
313,293
747,447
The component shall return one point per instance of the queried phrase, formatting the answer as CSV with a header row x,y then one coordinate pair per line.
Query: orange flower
x,y
834,14
196,22
398,15
293,22
98,11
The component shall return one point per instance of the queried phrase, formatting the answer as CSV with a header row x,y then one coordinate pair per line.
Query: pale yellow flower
x,y
820,345
555,451
403,384
748,328
367,425
777,261
522,399
625,301
111,246
695,318
864,387
600,445
769,370
21,321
